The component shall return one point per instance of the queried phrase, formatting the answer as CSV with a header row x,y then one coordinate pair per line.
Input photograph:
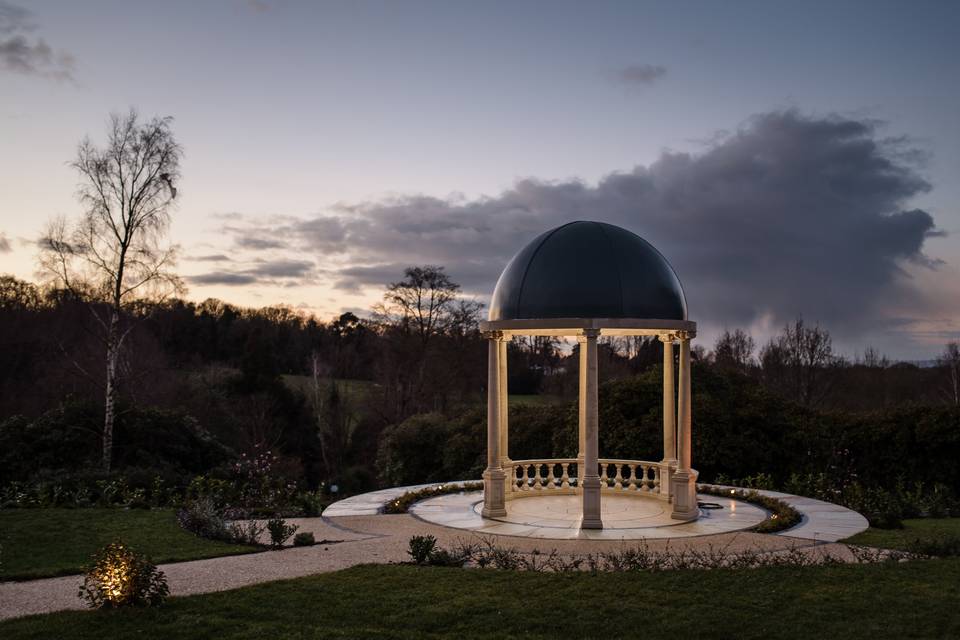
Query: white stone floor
x,y
625,517
557,517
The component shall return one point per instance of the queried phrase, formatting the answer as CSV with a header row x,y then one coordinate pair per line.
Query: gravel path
x,y
360,540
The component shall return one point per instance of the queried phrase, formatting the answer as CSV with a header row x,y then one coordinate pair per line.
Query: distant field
x,y
355,388
38,543
536,400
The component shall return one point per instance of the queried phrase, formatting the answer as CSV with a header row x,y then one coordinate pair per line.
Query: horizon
x,y
329,146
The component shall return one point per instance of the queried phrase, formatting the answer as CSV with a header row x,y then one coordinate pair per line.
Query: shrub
x,y
304,539
421,547
280,531
242,528
311,503
121,577
203,518
941,546
64,440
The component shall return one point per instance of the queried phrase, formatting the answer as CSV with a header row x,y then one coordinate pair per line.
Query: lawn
x,y
39,543
908,600
922,529
535,400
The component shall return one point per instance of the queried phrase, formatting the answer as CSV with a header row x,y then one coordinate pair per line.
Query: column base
x,y
590,511
683,486
494,496
666,473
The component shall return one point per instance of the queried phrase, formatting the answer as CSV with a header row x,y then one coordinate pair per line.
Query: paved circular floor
x,y
563,512
820,521
558,517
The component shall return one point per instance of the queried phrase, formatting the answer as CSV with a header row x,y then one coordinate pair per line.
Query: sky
x,y
788,158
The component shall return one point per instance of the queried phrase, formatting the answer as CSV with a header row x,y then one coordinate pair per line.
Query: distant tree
x,y
950,360
113,252
734,350
428,333
421,303
800,362
336,418
873,359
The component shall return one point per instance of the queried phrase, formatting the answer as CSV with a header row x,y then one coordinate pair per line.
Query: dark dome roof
x,y
588,270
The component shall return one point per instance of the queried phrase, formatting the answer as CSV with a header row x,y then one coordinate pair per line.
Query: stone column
x,y
669,416
582,413
504,401
493,477
589,410
684,481
504,395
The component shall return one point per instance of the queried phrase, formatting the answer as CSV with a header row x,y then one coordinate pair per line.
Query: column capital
x,y
588,333
493,335
667,338
686,336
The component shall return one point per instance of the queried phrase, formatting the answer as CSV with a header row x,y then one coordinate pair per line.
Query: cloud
x,y
4,244
262,272
790,214
282,268
222,277
218,257
258,244
24,54
640,74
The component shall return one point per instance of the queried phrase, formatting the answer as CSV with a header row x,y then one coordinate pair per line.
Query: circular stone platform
x,y
558,517
820,521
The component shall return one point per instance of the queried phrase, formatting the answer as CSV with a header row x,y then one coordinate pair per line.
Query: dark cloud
x,y
4,244
641,74
788,215
282,269
222,277
258,244
217,257
270,272
21,52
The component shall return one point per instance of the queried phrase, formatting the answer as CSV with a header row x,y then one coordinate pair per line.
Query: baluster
x,y
550,478
603,476
525,486
647,482
632,484
565,477
618,479
537,480
656,478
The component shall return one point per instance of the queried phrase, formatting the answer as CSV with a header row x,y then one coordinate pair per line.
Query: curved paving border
x,y
821,521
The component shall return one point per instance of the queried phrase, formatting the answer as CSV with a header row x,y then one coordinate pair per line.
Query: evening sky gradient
x,y
787,158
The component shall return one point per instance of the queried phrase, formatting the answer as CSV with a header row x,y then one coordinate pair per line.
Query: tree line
x,y
107,333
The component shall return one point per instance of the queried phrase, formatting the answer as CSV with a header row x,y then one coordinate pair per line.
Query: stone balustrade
x,y
559,476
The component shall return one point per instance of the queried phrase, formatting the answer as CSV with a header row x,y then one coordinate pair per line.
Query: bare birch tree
x,y
950,361
114,251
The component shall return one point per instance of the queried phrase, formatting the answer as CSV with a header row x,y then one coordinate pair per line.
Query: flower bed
x,y
402,503
782,515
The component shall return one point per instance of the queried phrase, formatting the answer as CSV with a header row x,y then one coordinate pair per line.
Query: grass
x,y
922,529
909,600
39,543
